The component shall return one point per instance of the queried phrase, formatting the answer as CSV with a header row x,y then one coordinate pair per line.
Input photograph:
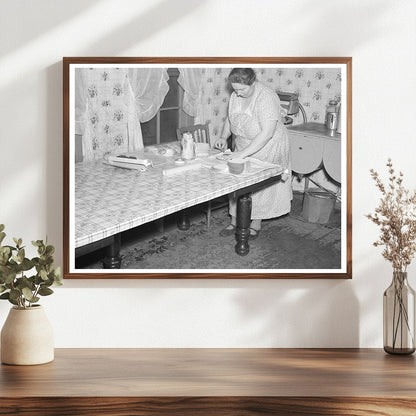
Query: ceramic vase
x,y
399,316
27,337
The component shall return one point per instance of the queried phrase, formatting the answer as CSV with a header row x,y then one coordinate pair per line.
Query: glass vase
x,y
399,316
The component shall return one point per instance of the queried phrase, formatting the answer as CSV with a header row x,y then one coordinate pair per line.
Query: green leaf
x,y
21,254
5,253
25,282
2,236
18,242
14,268
2,227
43,275
7,297
47,260
2,288
11,248
49,250
27,293
37,280
5,250
45,291
15,294
8,277
14,302
57,276
26,264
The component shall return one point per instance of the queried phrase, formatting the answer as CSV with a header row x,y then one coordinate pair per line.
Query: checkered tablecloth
x,y
109,200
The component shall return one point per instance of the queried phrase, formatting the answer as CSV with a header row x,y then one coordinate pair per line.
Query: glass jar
x,y
331,116
399,316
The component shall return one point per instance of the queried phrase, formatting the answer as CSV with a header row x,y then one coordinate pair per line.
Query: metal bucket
x,y
317,206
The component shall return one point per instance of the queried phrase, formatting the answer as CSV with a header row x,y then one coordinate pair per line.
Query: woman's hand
x,y
285,175
220,144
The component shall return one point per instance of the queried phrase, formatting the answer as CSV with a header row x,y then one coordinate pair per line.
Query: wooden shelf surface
x,y
212,381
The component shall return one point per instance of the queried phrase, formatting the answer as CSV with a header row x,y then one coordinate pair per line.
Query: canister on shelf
x,y
331,116
339,119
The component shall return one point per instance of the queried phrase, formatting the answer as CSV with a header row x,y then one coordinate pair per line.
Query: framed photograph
x,y
221,168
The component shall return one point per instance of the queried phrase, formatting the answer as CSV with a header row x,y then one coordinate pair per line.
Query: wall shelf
x,y
212,382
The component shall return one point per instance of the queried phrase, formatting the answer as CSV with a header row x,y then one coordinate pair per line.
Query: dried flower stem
x,y
396,216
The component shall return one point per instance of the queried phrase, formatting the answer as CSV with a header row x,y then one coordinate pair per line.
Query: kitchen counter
x,y
315,129
314,147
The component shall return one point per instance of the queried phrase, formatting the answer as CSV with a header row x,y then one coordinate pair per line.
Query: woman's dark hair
x,y
244,76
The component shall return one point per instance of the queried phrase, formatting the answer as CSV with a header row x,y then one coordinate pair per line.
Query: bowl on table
x,y
237,166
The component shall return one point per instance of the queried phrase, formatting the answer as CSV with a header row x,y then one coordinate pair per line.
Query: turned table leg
x,y
183,222
243,224
112,260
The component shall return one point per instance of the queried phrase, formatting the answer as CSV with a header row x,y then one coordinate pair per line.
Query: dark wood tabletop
x,y
212,382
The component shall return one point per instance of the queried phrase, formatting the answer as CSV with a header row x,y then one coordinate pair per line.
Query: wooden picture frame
x,y
109,237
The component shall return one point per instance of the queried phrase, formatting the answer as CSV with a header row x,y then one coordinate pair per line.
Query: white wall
x,y
380,35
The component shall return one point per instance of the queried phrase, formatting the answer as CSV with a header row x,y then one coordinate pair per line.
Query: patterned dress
x,y
245,121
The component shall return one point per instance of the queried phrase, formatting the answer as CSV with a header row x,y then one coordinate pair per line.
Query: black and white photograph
x,y
207,169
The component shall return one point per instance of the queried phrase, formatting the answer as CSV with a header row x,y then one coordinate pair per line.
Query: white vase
x,y
27,337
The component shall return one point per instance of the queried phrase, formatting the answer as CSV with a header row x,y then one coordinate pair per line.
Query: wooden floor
x,y
212,382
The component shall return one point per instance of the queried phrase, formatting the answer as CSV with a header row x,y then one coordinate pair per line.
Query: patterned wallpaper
x,y
108,101
315,86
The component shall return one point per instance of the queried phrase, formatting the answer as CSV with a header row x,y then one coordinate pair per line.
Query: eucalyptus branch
x,y
17,285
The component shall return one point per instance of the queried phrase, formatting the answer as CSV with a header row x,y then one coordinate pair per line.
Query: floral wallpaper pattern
x,y
107,110
108,100
315,86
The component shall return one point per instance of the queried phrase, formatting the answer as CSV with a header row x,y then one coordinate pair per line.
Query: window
x,y
162,127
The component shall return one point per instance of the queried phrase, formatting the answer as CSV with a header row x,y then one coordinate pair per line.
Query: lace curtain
x,y
110,103
149,87
190,79
206,96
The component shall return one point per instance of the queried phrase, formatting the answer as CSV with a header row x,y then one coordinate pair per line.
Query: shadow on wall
x,y
316,313
344,17
37,18
301,314
161,15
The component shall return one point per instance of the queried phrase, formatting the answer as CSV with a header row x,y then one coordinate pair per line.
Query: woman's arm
x,y
268,128
221,143
226,129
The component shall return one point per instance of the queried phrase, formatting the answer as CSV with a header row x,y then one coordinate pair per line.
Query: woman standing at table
x,y
254,117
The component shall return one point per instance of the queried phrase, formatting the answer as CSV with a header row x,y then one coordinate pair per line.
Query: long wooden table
x,y
109,200
209,382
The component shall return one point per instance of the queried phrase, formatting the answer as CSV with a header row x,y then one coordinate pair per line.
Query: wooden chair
x,y
200,133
